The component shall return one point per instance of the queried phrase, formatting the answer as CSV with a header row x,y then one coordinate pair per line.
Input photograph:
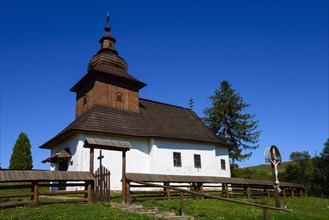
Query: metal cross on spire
x,y
107,20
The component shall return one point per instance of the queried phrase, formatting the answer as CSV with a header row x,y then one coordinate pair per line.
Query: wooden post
x,y
35,193
265,214
201,188
268,193
181,209
226,191
292,193
248,192
124,184
300,193
86,189
128,192
284,193
91,160
90,192
166,191
169,192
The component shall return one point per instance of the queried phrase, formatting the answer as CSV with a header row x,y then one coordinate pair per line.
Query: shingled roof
x,y
154,120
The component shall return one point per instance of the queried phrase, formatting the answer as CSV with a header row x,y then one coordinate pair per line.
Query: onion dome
x,y
107,56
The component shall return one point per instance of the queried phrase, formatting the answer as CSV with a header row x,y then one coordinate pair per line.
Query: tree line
x,y
312,173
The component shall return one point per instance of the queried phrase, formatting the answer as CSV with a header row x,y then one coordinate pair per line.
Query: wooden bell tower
x,y
107,81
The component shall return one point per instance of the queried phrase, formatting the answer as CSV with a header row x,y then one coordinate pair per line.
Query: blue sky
x,y
274,53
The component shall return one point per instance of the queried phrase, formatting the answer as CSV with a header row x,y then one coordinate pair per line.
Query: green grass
x,y
209,209
267,167
264,171
200,209
68,211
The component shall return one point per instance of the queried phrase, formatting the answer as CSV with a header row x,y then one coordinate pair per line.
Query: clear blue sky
x,y
275,54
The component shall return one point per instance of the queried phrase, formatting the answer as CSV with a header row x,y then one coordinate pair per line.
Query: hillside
x,y
263,171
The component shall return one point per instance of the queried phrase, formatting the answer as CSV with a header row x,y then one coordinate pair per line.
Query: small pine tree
x,y
21,158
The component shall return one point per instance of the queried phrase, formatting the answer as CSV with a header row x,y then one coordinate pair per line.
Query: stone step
x,y
120,206
140,209
185,217
149,211
166,214
151,214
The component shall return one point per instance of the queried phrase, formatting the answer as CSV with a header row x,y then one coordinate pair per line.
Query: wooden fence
x,y
224,187
33,181
102,185
182,193
141,192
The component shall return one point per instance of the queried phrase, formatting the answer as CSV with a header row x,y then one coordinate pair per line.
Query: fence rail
x,y
33,181
184,191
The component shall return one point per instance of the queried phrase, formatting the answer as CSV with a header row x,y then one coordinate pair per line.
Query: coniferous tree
x,y
21,157
227,119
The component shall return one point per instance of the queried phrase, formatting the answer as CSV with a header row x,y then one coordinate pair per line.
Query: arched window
x,y
119,97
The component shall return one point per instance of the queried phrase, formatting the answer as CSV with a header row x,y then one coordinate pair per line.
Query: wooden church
x,y
154,137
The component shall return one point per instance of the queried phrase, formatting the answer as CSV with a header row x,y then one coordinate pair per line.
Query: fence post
x,y
35,193
201,188
128,192
292,193
265,214
181,209
247,191
90,192
226,191
268,193
166,191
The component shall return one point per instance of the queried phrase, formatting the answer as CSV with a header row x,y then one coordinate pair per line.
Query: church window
x,y
223,164
119,97
197,160
177,159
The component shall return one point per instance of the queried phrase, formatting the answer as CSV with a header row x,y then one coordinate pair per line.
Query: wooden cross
x,y
275,164
100,158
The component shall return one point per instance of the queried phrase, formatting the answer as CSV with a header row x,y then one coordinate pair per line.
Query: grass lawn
x,y
68,211
266,168
201,209
304,208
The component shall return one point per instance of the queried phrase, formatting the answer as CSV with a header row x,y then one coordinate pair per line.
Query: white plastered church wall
x,y
154,156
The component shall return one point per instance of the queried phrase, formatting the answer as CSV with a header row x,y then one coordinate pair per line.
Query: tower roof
x,y
107,55
106,65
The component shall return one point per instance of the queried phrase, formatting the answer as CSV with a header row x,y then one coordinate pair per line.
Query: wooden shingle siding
x,y
105,95
154,120
100,143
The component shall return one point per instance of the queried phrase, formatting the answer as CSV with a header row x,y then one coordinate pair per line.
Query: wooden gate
x,y
102,185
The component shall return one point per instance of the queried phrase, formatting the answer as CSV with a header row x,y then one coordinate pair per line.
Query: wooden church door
x,y
63,165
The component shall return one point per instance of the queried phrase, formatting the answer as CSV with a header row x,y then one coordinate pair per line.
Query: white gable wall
x,y
147,156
